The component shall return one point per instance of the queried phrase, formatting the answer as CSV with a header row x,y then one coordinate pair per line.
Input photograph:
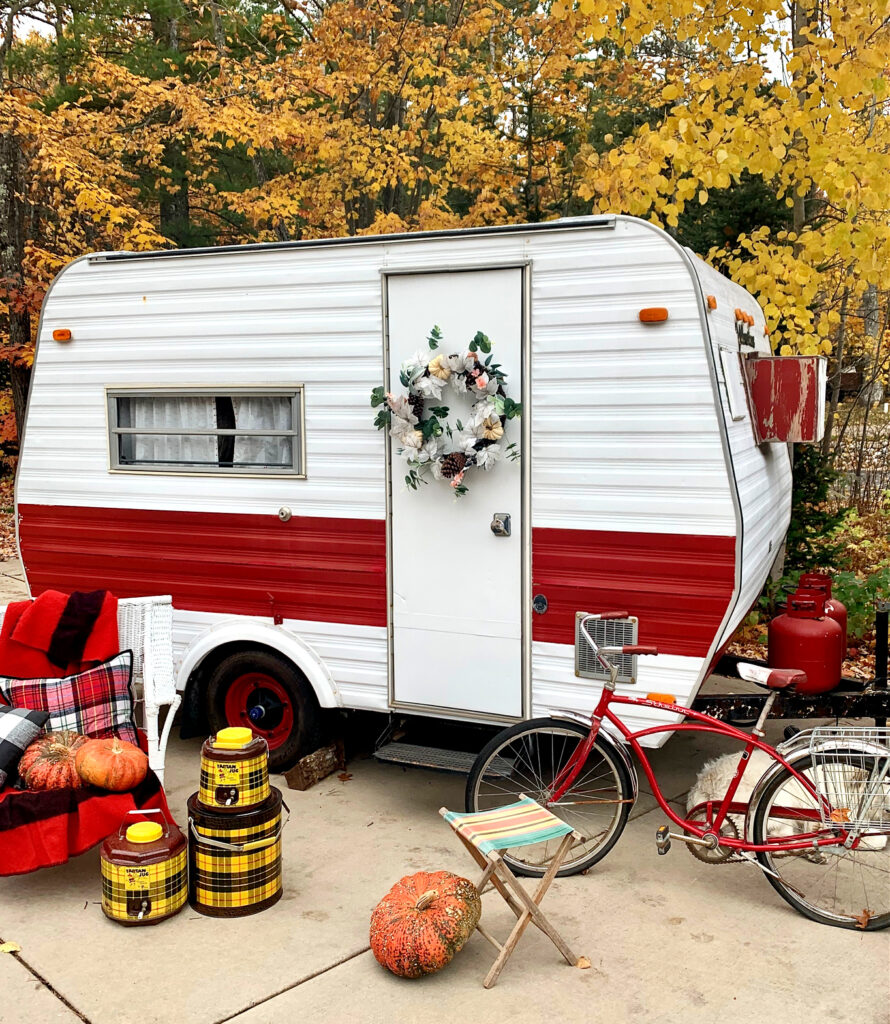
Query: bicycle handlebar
x,y
629,649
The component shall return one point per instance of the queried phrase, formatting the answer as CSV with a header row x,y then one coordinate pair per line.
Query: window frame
x,y
298,432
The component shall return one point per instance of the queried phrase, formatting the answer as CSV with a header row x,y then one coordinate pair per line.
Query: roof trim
x,y
565,223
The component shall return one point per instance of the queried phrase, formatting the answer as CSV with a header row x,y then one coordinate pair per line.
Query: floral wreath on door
x,y
429,442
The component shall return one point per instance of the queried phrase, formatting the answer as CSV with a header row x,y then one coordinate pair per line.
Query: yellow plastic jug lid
x,y
234,737
144,832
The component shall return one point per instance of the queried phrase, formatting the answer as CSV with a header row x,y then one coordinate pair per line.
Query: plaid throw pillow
x,y
18,728
97,702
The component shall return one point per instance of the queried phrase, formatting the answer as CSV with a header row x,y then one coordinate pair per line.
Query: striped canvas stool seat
x,y
484,835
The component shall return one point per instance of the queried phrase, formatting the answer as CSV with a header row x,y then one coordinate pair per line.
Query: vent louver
x,y
606,633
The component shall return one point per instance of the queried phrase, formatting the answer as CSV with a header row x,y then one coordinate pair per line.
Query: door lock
x,y
500,524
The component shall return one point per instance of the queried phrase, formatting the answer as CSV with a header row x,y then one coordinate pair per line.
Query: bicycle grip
x,y
637,649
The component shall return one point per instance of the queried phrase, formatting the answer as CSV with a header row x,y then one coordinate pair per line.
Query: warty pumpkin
x,y
112,763
49,762
423,921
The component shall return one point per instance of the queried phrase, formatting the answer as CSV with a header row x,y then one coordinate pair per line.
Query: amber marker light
x,y
62,334
662,698
712,302
653,315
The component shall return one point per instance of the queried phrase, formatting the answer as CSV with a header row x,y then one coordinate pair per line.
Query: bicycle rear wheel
x,y
831,885
525,759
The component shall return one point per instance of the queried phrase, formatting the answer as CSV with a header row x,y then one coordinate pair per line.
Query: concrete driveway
x,y
669,939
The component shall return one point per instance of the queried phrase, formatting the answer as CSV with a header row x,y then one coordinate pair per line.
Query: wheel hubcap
x,y
259,701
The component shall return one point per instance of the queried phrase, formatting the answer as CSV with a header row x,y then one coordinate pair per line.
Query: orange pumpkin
x,y
49,762
112,763
423,921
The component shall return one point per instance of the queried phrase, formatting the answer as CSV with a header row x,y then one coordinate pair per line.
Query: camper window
x,y
239,430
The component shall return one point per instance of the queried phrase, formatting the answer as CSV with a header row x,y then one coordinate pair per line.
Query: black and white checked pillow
x,y
18,728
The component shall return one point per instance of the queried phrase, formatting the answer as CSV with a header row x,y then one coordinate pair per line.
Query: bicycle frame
x,y
701,723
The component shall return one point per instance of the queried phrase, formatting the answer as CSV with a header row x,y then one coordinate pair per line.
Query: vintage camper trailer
x,y
199,424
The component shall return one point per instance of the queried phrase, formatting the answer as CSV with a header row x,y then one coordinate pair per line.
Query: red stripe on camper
x,y
679,586
323,570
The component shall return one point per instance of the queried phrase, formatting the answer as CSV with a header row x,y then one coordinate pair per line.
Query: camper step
x,y
458,762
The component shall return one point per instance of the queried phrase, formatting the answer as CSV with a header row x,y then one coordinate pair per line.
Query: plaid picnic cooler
x,y
235,859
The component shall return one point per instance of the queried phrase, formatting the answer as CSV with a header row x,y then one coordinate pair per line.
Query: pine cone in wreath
x,y
416,403
452,464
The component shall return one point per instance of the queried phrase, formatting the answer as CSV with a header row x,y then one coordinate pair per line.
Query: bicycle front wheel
x,y
847,888
525,759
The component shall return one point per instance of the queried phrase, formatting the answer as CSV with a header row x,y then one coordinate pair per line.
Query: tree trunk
x,y
12,249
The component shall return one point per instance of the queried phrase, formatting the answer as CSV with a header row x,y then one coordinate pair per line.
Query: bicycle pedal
x,y
663,840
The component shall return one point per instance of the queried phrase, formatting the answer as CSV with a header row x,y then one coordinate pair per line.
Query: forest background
x,y
756,134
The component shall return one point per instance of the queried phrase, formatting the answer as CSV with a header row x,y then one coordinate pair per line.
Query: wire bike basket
x,y
850,771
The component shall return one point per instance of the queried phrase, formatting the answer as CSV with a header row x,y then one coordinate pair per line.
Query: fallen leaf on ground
x,y
10,947
344,776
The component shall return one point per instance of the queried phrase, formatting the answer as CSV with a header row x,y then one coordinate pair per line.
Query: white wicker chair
x,y
145,626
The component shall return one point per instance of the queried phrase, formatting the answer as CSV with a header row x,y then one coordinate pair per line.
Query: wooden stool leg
x,y
532,912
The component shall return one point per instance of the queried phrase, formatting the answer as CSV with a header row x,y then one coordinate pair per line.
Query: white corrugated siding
x,y
762,473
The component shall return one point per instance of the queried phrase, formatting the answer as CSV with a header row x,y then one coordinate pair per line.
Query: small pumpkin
x,y
112,763
49,762
423,921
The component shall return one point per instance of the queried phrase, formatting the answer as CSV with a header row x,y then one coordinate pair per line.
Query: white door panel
x,y
457,588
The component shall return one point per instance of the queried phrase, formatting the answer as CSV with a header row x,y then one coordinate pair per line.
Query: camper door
x,y
456,617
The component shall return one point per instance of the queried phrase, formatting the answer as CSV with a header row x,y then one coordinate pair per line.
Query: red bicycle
x,y
817,822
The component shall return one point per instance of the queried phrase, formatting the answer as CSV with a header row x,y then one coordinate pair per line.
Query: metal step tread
x,y
458,762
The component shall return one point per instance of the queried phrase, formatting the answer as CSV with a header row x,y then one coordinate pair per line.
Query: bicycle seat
x,y
771,678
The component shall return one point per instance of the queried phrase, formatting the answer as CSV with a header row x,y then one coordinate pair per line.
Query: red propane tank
x,y
806,638
821,582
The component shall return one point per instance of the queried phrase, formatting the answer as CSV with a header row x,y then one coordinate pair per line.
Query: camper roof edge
x,y
605,221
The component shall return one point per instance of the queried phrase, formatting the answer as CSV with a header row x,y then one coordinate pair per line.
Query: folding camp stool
x,y
485,834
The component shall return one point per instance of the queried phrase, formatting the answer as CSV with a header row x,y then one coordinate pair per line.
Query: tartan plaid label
x,y
97,702
155,891
229,784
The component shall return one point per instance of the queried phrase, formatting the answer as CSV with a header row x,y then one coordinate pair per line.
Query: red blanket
x,y
40,830
58,634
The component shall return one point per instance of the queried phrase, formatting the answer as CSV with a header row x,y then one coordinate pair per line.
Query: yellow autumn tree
x,y
793,93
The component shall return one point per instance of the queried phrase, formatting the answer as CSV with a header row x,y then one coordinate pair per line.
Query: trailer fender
x,y
288,644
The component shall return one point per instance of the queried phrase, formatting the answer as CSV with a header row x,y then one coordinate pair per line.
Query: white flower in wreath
x,y
401,429
413,439
429,387
487,457
414,366
455,363
465,443
401,408
481,411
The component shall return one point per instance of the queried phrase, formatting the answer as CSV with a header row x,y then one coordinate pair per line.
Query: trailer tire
x,y
268,693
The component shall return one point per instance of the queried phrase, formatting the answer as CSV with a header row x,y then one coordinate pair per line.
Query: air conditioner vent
x,y
606,633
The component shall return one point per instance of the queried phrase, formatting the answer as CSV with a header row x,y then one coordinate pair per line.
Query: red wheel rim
x,y
260,702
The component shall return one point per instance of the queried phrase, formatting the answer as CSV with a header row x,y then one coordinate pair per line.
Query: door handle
x,y
500,524
284,513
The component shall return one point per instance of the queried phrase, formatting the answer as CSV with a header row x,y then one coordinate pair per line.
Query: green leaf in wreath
x,y
382,419
499,403
482,341
430,428
435,336
404,378
440,410
378,396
